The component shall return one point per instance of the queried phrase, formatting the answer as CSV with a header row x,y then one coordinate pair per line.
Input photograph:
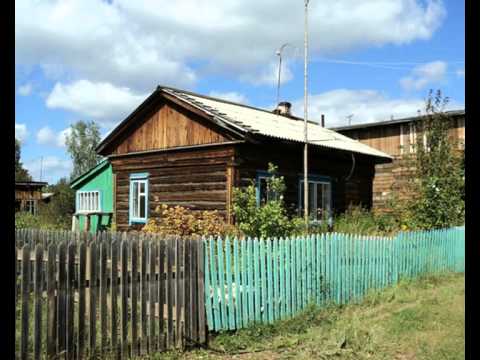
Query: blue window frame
x,y
319,197
138,199
262,193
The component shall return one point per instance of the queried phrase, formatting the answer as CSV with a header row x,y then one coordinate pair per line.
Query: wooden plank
x,y
269,286
288,283
244,281
228,274
92,287
51,306
203,274
194,293
275,280
200,276
134,295
179,268
103,295
61,305
187,289
237,282
124,297
153,291
256,269
37,346
221,284
170,295
263,278
161,293
70,311
251,285
25,301
114,250
82,270
293,274
143,293
281,247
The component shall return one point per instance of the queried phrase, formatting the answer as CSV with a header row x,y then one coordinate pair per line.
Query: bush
x,y
25,220
177,220
269,219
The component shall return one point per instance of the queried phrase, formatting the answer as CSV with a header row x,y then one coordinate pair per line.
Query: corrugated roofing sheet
x,y
264,122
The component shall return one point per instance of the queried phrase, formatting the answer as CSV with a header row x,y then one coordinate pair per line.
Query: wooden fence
x,y
81,296
265,280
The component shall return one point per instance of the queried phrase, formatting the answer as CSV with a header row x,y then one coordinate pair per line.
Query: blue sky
x,y
97,60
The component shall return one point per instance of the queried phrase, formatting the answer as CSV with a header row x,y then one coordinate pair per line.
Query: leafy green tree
x,y
58,212
81,144
438,181
21,174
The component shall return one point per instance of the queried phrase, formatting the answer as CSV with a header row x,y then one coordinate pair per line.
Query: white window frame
x,y
31,204
88,201
138,179
413,137
315,199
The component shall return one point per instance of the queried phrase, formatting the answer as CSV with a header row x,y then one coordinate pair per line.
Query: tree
x,y
438,179
21,174
81,143
58,212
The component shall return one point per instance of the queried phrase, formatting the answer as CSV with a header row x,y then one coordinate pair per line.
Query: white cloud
x,y
50,167
46,136
230,96
25,89
100,101
461,72
268,75
21,132
140,44
365,105
423,75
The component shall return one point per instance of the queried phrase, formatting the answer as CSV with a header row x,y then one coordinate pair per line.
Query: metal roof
x,y
253,120
393,122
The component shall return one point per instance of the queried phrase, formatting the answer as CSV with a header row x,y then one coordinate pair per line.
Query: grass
x,y
417,319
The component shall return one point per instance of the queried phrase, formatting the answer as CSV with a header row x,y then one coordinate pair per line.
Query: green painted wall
x,y
102,181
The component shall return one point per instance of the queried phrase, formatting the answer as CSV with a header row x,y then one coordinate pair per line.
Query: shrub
x,y
25,220
178,220
268,219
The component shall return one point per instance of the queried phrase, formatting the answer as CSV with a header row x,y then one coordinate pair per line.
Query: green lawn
x,y
420,319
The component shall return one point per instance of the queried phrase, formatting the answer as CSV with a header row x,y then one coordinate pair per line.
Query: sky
x,y
98,60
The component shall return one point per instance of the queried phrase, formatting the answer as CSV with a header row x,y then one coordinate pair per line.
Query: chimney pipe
x,y
323,120
283,108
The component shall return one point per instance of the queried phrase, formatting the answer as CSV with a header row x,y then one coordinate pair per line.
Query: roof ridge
x,y
293,118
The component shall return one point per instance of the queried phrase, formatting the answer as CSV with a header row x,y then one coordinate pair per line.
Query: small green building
x,y
93,198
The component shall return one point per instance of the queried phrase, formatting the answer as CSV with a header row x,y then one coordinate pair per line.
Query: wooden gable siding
x,y
194,178
167,126
356,191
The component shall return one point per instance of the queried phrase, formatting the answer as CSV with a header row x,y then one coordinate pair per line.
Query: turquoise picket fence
x,y
263,280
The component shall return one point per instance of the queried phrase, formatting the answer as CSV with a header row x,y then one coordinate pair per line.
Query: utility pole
x,y
41,167
305,119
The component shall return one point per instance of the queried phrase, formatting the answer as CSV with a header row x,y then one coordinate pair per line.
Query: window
x,y
138,198
413,137
319,198
88,201
31,206
263,195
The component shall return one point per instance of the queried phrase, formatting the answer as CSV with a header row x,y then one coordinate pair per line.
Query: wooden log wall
x,y
110,296
356,191
195,179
